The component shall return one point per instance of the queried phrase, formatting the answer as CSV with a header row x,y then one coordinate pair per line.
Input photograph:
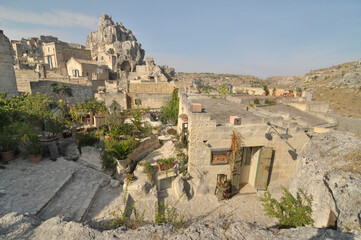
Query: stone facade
x,y
210,131
87,68
57,54
23,79
29,52
82,91
7,76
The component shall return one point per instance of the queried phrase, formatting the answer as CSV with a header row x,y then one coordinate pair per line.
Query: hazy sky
x,y
258,37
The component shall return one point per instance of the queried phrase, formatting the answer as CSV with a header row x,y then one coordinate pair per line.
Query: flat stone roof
x,y
220,110
302,118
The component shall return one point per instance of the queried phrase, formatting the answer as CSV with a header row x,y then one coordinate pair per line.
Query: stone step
x,y
75,199
26,187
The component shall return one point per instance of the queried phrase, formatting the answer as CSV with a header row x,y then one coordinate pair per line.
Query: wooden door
x,y
236,170
263,168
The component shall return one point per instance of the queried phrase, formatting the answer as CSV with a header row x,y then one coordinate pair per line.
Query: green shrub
x,y
170,111
291,211
150,171
122,217
223,89
114,149
87,139
123,129
265,89
270,102
256,101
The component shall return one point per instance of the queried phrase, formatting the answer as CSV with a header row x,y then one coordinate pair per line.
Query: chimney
x,y
235,120
196,108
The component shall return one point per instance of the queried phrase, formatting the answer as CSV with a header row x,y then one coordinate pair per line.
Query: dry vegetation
x,y
352,162
344,101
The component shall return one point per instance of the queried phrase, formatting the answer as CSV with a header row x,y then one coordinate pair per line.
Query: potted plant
x,y
8,142
165,163
32,148
184,117
53,127
224,187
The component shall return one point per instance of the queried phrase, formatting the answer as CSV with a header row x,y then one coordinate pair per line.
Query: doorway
x,y
250,169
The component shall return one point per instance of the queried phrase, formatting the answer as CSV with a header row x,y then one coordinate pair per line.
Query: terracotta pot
x,y
8,156
80,131
162,167
67,134
35,158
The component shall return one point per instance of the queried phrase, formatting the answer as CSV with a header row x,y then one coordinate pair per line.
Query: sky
x,y
257,37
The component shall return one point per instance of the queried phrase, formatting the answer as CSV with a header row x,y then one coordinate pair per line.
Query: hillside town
x,y
100,142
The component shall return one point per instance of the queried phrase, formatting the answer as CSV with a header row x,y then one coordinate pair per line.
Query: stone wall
x,y
23,79
108,98
145,147
7,76
81,93
149,100
311,106
152,87
201,129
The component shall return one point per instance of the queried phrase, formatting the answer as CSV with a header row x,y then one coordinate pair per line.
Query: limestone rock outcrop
x,y
16,226
115,45
328,168
7,74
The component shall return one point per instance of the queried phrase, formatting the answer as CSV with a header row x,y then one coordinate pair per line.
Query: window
x,y
102,58
220,157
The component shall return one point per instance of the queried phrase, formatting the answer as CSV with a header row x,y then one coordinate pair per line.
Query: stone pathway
x,y
28,187
206,207
49,188
75,198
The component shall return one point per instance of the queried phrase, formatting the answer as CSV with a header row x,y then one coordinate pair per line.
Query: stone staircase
x,y
49,189
75,198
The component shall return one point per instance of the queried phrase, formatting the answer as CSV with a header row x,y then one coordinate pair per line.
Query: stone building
x,y
7,75
87,68
269,140
57,54
29,52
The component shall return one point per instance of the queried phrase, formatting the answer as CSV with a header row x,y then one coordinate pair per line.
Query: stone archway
x,y
125,66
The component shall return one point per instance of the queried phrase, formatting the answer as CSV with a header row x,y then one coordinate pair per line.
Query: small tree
x,y
265,89
291,211
169,112
61,90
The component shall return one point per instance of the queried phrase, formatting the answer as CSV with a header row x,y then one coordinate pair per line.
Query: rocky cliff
x,y
329,169
115,42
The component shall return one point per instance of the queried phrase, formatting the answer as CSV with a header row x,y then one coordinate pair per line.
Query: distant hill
x,y
214,79
339,85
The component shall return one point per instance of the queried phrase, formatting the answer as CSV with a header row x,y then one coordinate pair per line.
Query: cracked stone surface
x,y
27,187
49,188
75,198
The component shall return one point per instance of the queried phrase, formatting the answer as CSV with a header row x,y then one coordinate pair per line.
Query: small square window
x,y
220,157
